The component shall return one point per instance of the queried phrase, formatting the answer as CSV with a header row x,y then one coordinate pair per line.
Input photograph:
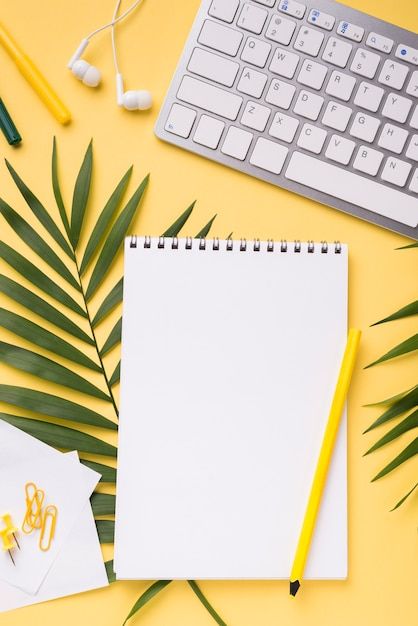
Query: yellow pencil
x,y
324,459
34,77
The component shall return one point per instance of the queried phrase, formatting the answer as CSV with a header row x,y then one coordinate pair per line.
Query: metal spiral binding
x,y
256,246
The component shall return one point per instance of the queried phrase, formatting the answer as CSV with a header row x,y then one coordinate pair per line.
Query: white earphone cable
x,y
115,56
115,21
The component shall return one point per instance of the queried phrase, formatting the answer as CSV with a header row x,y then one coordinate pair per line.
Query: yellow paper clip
x,y
33,515
8,536
49,519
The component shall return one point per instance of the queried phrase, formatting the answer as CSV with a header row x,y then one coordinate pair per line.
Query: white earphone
x,y
91,75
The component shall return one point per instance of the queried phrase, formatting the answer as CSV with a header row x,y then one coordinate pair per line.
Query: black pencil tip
x,y
294,586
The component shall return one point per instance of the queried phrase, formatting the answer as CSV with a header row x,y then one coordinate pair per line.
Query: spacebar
x,y
350,187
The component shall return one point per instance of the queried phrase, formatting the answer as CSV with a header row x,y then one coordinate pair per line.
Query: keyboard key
x,y
337,52
365,127
393,138
220,37
237,143
378,42
269,155
369,97
397,108
413,186
412,89
393,74
284,127
309,105
208,131
340,86
280,30
368,160
365,63
255,116
321,19
350,187
280,93
256,52
414,119
252,18
412,152
350,31
267,3
312,74
309,41
252,82
209,97
296,9
406,53
224,10
284,63
337,116
340,150
396,172
213,66
180,120
312,138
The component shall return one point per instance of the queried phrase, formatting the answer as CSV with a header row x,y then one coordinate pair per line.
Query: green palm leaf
x,y
402,500
104,220
392,400
42,367
111,576
29,271
36,243
113,298
404,404
409,345
152,591
81,196
175,228
114,240
115,378
60,436
108,474
40,212
57,190
105,530
34,303
206,603
103,504
411,245
206,229
410,451
53,406
113,339
45,339
407,424
405,311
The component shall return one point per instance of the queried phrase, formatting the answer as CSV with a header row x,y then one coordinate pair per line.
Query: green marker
x,y
8,127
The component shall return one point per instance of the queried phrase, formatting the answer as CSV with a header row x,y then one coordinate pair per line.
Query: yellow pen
x,y
324,459
34,77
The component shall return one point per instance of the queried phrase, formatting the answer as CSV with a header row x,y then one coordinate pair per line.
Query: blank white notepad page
x,y
229,363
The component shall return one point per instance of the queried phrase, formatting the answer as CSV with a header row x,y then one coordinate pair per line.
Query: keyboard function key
x,y
414,119
380,43
340,150
295,9
220,37
284,127
312,138
280,94
252,18
280,30
209,97
365,127
396,172
309,41
255,116
312,74
393,74
412,89
365,63
212,66
224,10
321,19
237,143
412,152
408,54
180,120
208,131
269,155
350,31
308,105
252,82
337,116
369,97
397,108
413,185
340,86
368,160
256,52
393,138
284,63
337,52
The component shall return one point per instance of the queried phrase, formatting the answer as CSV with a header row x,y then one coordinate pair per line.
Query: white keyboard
x,y
313,97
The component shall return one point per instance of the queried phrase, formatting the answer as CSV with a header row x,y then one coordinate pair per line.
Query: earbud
x,y
88,74
132,100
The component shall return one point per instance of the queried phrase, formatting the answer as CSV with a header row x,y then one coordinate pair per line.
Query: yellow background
x,y
382,584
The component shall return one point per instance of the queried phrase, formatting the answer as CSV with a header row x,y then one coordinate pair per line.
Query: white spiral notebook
x,y
230,356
